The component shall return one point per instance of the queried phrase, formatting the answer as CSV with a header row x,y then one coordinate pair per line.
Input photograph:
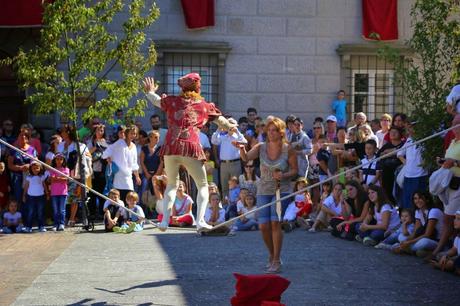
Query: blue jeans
x,y
16,184
395,237
58,202
269,213
424,244
377,235
411,185
240,226
36,207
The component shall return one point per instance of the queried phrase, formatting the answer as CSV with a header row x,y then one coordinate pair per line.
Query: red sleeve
x,y
167,103
448,139
213,111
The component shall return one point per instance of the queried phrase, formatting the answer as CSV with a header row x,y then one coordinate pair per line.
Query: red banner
x,y
198,13
21,13
380,19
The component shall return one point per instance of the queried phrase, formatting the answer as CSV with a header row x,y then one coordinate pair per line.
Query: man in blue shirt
x,y
339,106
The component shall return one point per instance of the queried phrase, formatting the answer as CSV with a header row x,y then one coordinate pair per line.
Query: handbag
x,y
400,176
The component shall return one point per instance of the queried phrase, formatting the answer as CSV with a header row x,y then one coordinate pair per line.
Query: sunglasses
x,y
316,127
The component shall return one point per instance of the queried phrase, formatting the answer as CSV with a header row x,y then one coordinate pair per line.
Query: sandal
x,y
275,268
71,223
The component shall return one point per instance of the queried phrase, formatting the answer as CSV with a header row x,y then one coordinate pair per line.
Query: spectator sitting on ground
x,y
354,212
132,222
406,228
232,198
113,214
382,217
428,226
215,215
451,260
12,219
241,198
332,207
212,187
299,210
182,208
249,221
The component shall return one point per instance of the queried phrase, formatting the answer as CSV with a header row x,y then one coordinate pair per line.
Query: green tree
x,y
434,66
78,50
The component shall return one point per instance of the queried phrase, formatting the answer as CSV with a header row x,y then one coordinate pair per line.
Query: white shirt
x,y
227,150
108,203
381,136
36,184
13,219
394,218
414,160
453,97
330,203
291,212
208,214
126,160
435,213
369,170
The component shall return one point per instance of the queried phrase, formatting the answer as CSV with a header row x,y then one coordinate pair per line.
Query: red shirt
x,y
186,117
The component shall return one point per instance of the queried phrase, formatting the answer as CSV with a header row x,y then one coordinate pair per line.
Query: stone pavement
x,y
152,268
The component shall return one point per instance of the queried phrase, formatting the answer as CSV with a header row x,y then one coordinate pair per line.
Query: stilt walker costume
x,y
186,114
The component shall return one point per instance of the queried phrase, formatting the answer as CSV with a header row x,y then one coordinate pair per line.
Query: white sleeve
x,y
436,213
207,214
291,212
239,206
108,152
154,99
215,138
140,211
386,207
135,164
403,150
240,137
418,215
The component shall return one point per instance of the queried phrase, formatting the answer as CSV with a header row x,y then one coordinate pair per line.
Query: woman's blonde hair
x,y
279,124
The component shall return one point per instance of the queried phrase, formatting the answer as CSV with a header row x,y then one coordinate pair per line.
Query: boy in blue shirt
x,y
339,106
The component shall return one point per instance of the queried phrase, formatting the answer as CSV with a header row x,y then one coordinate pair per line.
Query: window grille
x,y
370,81
175,65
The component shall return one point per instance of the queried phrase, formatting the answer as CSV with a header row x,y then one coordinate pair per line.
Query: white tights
x,y
197,171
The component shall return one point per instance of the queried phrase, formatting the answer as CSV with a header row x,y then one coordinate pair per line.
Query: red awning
x,y
21,13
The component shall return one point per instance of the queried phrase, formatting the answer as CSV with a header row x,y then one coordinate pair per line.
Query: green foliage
x,y
80,54
428,75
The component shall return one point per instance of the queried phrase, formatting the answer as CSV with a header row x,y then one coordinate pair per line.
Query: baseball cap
x,y
331,118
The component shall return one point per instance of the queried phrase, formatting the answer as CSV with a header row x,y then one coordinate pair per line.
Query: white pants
x,y
197,171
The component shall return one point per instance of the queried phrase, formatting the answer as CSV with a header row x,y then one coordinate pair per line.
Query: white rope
x,y
228,222
81,184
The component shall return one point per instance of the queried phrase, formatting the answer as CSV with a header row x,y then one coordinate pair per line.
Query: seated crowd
x,y
384,204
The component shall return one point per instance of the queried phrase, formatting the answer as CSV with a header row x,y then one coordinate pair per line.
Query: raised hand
x,y
149,84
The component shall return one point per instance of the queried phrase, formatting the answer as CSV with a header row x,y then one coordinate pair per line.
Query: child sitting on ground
x,y
12,219
451,261
249,221
215,215
232,198
112,214
132,222
331,207
298,211
240,203
401,234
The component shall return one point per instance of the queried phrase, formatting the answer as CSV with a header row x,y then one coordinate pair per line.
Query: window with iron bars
x,y
370,81
174,65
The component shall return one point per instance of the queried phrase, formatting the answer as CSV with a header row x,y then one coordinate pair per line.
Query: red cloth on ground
x,y
187,219
198,13
380,17
253,290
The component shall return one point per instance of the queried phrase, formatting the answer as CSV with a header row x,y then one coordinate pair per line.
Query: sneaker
x,y
131,227
54,229
61,227
369,241
231,233
358,238
312,230
42,229
7,231
383,246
